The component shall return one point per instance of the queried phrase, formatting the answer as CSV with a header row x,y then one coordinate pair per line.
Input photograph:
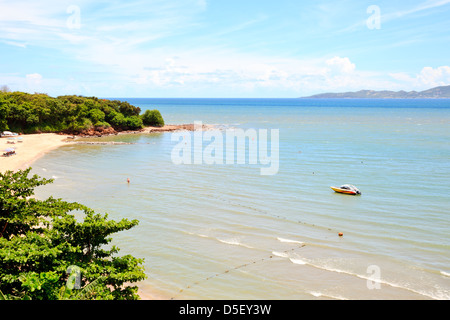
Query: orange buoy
x,y
340,234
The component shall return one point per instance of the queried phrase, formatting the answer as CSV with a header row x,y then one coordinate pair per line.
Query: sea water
x,y
224,231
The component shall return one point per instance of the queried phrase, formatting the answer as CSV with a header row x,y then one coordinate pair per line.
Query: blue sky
x,y
217,48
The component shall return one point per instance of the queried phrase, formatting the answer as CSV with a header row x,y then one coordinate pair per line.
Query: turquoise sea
x,y
224,231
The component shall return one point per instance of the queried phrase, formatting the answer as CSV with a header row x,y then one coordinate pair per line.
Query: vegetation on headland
x,y
442,92
46,253
38,113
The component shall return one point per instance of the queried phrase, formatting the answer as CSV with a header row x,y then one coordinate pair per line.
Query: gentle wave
x,y
289,241
234,242
436,296
197,234
202,235
318,294
230,241
297,261
280,254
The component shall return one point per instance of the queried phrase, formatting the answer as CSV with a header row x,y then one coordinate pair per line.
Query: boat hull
x,y
344,191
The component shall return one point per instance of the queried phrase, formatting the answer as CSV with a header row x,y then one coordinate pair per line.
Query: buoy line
x,y
272,215
235,268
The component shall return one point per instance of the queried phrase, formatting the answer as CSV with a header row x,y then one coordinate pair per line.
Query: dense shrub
x,y
153,118
133,122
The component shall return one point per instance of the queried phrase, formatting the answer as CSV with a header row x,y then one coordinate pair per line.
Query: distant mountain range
x,y
434,93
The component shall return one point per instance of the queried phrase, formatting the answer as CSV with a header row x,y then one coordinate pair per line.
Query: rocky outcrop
x,y
97,131
102,131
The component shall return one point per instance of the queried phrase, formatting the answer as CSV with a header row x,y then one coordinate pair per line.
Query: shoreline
x,y
32,148
147,129
36,145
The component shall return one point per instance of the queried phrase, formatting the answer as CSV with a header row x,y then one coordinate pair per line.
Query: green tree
x,y
127,109
117,119
4,113
133,122
153,118
41,240
96,115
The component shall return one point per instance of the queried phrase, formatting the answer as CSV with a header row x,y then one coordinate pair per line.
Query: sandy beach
x,y
32,147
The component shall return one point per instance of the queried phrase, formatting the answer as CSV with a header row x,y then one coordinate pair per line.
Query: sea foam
x,y
289,240
280,254
445,273
319,294
297,261
234,242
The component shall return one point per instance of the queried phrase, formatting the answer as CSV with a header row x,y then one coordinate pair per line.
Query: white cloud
x,y
14,43
129,53
50,23
387,16
341,65
435,77
257,74
427,78
427,5
34,78
31,13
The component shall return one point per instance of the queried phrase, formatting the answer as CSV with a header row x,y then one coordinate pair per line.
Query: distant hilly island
x,y
442,92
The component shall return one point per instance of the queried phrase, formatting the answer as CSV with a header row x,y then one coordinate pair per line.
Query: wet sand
x,y
32,147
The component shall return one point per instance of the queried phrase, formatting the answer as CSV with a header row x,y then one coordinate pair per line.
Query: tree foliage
x,y
34,113
41,241
153,118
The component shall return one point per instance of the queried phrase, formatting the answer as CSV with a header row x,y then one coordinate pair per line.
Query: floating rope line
x,y
264,212
235,268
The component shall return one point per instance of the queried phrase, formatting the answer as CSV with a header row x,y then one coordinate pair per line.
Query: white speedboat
x,y
347,189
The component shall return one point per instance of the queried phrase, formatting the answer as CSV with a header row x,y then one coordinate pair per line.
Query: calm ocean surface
x,y
227,232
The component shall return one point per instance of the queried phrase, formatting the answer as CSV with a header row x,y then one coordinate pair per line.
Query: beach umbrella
x,y
9,149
